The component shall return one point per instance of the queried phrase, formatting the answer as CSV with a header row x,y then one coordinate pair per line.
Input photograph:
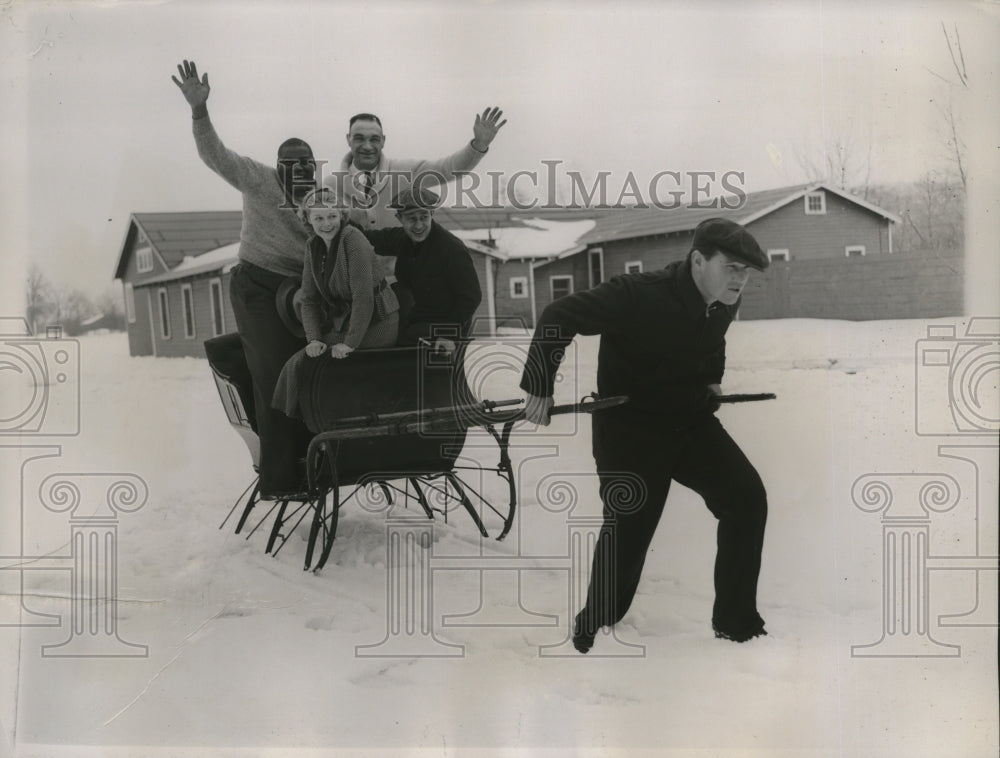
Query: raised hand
x,y
195,91
487,125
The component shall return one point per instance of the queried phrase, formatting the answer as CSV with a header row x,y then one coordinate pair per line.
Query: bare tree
x,y
109,304
69,308
956,83
843,160
36,299
932,210
933,207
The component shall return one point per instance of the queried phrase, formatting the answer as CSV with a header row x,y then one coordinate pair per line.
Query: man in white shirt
x,y
369,179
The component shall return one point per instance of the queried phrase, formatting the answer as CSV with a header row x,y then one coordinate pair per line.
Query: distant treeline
x,y
932,211
48,304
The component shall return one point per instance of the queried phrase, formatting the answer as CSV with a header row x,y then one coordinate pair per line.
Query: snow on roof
x,y
174,235
220,255
538,238
221,259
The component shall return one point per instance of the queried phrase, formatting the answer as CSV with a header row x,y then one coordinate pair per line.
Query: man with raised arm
x,y
663,345
370,179
272,246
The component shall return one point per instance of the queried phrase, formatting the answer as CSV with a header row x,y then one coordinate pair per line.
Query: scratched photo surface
x,y
145,609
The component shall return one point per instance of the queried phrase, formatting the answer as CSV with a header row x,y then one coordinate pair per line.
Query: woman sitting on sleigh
x,y
346,302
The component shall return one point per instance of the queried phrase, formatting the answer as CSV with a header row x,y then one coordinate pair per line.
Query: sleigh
x,y
388,425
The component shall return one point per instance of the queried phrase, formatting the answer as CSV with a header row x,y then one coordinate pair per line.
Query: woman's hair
x,y
323,197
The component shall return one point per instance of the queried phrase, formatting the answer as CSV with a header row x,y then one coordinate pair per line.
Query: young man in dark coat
x,y
662,345
435,267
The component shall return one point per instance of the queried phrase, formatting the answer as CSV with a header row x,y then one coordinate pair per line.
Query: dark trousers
x,y
268,345
636,461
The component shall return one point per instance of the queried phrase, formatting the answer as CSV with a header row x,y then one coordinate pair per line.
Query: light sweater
x,y
272,236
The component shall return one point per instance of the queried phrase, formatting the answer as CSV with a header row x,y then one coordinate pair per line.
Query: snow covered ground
x,y
248,655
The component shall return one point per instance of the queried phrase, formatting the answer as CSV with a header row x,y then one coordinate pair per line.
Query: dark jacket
x,y
439,274
660,344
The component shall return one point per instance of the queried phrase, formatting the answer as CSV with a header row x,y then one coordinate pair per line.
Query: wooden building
x,y
793,224
174,269
832,257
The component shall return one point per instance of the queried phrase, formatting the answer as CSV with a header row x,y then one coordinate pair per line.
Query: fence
x,y
915,284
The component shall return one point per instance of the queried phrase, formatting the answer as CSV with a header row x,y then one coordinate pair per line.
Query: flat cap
x,y
730,238
413,198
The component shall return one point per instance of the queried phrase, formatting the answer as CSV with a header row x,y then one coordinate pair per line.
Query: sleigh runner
x,y
390,422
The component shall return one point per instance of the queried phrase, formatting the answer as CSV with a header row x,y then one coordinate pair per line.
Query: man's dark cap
x,y
730,238
413,198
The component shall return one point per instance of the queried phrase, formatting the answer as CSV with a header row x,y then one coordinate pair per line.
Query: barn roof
x,y
536,238
646,222
510,217
175,236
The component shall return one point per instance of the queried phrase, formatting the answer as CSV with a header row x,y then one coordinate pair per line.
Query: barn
x,y
793,224
174,269
832,256
508,294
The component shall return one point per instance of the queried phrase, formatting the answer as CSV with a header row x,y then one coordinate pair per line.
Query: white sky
x,y
93,128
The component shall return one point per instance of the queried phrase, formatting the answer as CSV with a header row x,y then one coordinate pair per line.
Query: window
x,y
187,302
161,295
778,254
595,258
633,267
144,260
218,313
519,286
560,286
815,203
854,251
129,303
